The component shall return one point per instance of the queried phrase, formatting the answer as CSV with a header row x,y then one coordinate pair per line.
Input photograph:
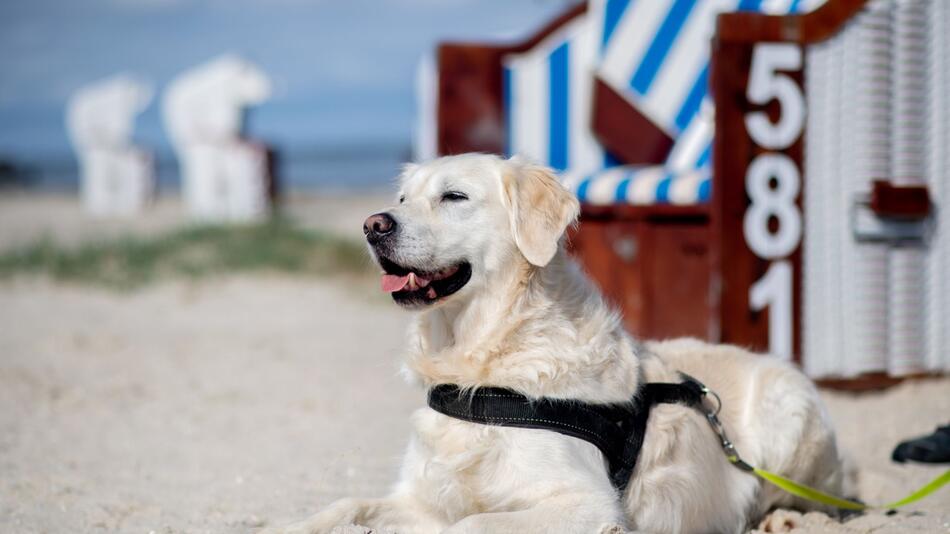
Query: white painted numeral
x,y
766,83
775,291
768,202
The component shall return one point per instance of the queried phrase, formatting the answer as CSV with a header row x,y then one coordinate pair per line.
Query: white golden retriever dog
x,y
475,247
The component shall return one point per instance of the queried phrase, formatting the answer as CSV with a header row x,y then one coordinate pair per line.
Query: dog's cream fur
x,y
530,320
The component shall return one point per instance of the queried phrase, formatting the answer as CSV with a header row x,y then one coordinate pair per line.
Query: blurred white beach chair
x,y
116,177
225,177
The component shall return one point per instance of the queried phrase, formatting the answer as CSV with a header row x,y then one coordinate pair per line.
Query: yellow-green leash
x,y
805,492
801,490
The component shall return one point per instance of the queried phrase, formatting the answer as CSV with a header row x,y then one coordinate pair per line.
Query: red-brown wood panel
x,y
610,252
678,281
470,100
470,114
654,264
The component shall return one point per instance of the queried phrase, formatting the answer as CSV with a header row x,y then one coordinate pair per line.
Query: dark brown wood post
x,y
757,81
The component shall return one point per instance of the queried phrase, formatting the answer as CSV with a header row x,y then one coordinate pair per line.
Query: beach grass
x,y
130,262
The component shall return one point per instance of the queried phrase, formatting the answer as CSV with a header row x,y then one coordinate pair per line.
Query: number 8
x,y
767,202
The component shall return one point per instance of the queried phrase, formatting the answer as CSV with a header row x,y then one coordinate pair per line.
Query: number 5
x,y
765,83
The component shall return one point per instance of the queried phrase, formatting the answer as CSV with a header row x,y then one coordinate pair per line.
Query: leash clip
x,y
712,416
706,393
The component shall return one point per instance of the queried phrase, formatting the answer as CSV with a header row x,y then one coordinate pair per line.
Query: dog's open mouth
x,y
413,286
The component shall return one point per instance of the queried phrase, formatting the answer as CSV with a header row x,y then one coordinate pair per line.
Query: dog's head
x,y
464,222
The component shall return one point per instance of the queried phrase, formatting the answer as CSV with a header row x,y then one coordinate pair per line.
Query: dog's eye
x,y
402,199
453,196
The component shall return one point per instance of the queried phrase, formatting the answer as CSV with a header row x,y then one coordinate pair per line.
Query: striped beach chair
x,y
655,55
851,275
824,241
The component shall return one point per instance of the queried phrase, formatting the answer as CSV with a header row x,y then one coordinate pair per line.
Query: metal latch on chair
x,y
891,214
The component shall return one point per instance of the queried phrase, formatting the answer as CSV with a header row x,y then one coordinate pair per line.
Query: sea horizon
x,y
352,166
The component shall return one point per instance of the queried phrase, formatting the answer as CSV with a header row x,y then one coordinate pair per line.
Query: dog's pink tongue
x,y
393,283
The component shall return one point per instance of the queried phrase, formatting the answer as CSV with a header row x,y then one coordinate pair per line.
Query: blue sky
x,y
343,69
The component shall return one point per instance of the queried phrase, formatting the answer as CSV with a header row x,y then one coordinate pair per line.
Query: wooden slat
x,y
809,28
904,202
626,212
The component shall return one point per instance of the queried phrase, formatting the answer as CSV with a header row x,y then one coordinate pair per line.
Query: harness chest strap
x,y
616,429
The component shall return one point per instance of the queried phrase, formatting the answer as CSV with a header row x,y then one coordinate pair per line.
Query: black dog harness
x,y
616,429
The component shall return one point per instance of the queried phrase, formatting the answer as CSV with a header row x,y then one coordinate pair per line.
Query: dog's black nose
x,y
378,226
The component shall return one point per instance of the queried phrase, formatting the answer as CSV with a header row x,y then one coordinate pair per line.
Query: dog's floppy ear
x,y
539,208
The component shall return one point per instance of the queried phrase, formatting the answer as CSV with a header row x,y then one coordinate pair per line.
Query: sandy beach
x,y
223,405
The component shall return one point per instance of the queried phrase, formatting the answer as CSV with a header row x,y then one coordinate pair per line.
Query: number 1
x,y
774,290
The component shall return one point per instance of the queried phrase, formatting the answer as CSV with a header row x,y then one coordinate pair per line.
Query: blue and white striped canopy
x,y
642,185
655,53
547,94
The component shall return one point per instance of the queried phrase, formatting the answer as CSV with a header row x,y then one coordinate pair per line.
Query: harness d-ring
x,y
704,389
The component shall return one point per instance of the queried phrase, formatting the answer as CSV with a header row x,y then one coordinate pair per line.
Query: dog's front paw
x,y
780,521
309,528
354,529
296,528
305,527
